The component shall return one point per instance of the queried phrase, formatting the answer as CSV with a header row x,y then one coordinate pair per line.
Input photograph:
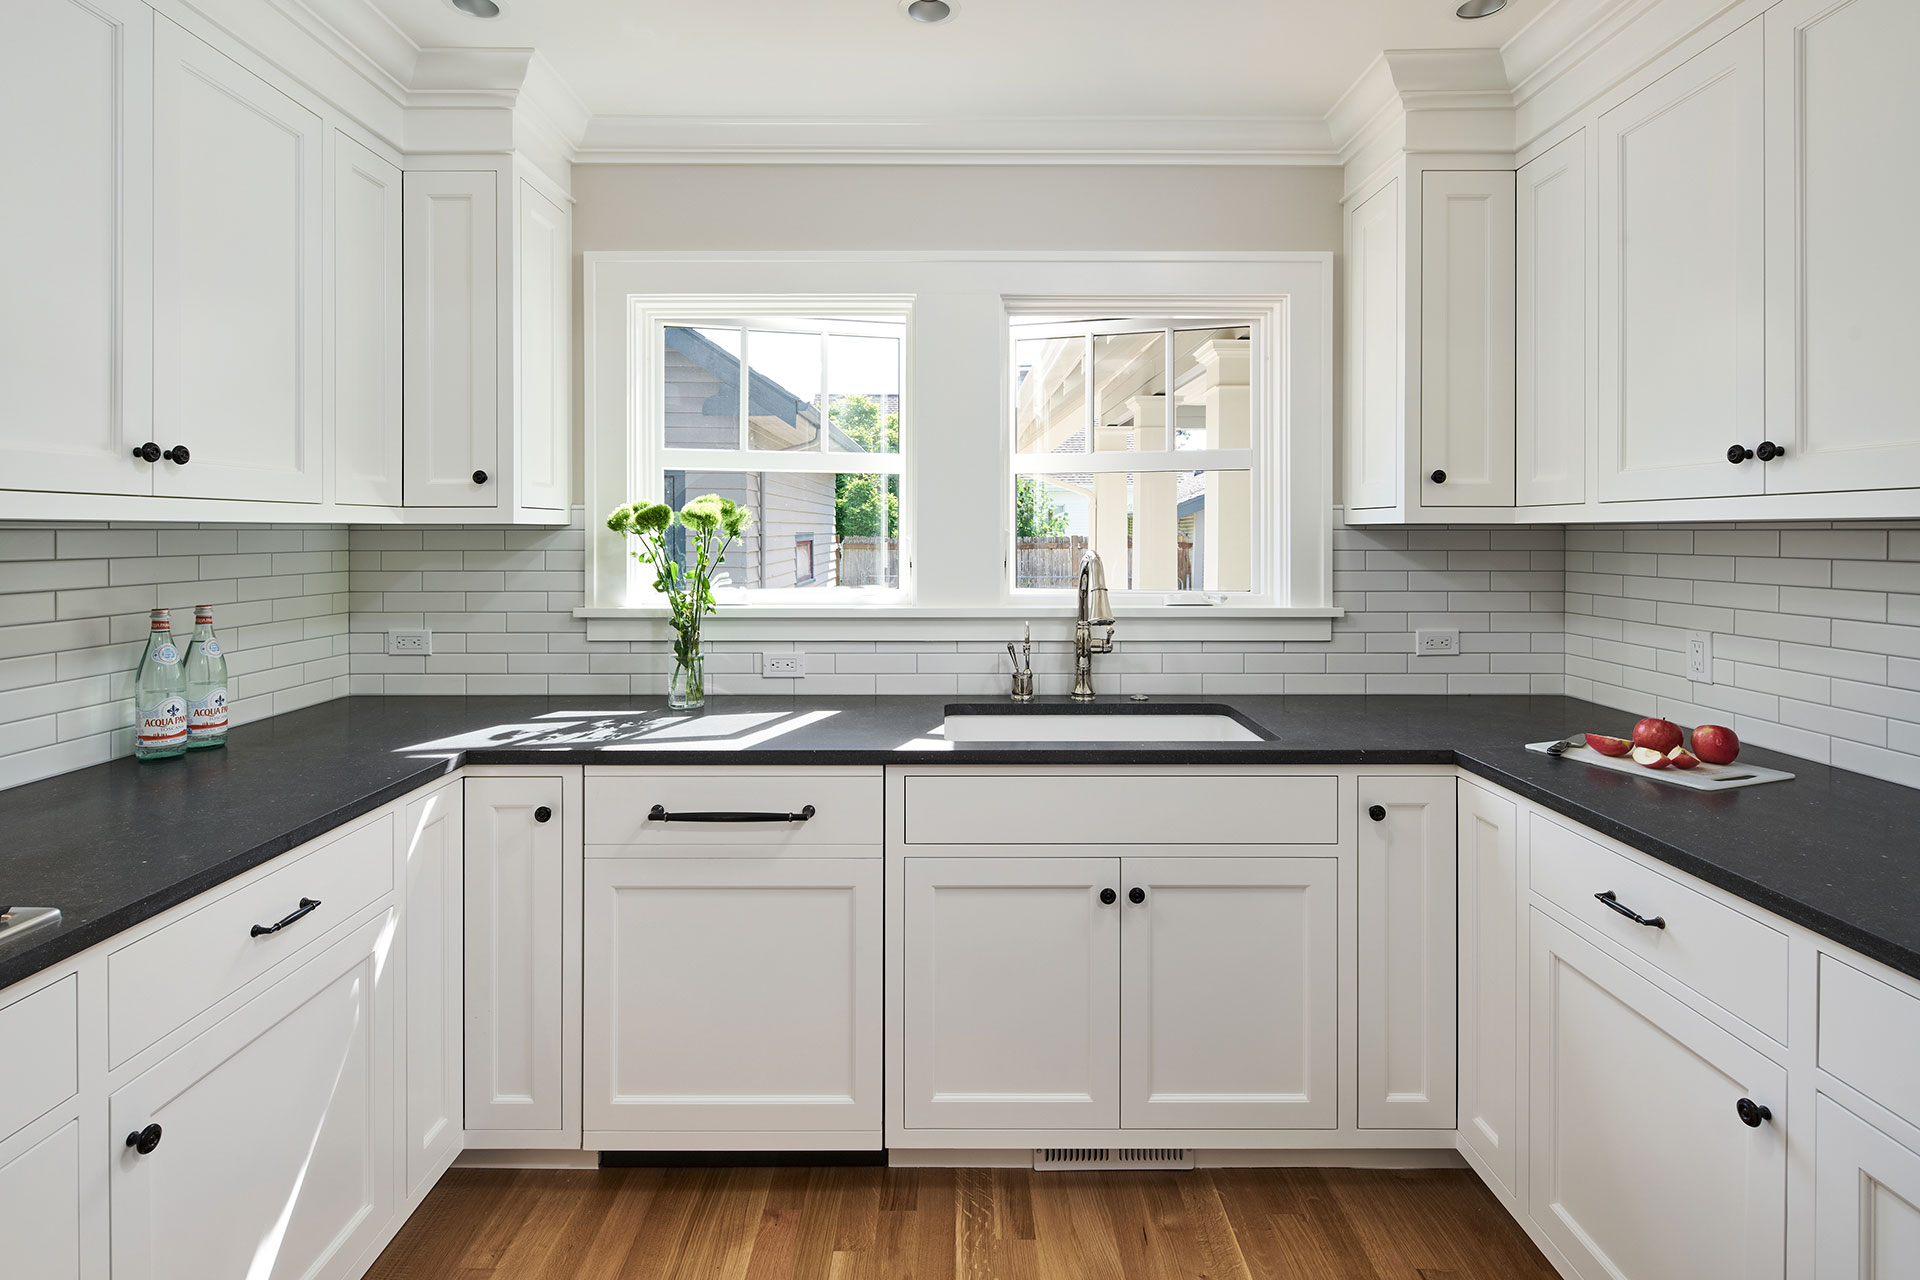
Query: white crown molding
x,y
1002,140
1411,101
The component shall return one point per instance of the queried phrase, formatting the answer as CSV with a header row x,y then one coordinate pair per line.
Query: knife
x,y
1561,747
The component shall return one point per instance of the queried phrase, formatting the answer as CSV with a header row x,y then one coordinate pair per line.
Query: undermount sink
x,y
1115,726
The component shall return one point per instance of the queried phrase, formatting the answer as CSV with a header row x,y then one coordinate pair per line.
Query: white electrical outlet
x,y
411,643
784,665
1437,642
1700,656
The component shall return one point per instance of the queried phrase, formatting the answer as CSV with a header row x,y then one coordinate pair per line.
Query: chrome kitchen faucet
x,y
1095,611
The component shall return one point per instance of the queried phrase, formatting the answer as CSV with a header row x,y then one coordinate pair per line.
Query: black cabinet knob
x,y
145,1140
1752,1113
177,455
1107,897
1378,812
1768,451
148,452
1438,477
543,814
1136,895
1738,453
479,477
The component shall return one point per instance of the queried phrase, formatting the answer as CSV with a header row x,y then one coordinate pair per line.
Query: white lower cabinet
x,y
1867,1216
430,941
1229,1010
1492,969
1012,993
269,1135
732,1002
40,1193
1406,950
1641,1163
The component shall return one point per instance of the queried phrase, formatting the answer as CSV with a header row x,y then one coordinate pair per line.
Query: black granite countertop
x,y
117,844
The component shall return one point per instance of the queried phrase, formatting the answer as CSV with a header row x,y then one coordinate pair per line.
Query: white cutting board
x,y
1702,777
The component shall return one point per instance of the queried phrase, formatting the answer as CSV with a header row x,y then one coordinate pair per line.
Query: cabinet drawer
x,y
165,978
1870,1037
846,809
1730,958
39,1054
1033,808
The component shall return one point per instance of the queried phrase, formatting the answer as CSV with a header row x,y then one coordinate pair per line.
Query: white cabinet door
x,y
363,407
238,290
76,336
543,425
452,339
1682,273
1376,409
1012,993
40,1190
1230,993
515,956
1406,969
1843,264
1492,962
275,1157
1550,333
733,995
431,946
1638,1163
1466,339
1867,1193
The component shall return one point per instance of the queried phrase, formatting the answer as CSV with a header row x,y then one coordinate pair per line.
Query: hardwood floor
x,y
982,1224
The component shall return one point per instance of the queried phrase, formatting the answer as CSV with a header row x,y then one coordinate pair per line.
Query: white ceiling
x,y
860,59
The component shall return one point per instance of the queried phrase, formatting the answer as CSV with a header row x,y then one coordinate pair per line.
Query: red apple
x,y
1681,758
1650,758
1608,746
1662,735
1716,744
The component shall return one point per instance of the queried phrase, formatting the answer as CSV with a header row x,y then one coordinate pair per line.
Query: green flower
x,y
734,518
640,518
704,514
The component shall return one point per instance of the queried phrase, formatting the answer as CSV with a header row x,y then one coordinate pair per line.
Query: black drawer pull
x,y
1108,897
177,455
543,814
306,907
1378,812
1768,451
1738,453
1752,1113
146,1140
659,814
148,452
1612,903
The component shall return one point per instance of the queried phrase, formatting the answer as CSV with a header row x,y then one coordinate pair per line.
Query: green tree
x,y
1035,513
865,506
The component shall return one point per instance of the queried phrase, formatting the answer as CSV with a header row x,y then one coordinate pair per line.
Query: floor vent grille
x,y
1053,1158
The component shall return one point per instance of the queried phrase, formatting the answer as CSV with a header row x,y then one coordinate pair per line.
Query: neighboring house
x,y
792,539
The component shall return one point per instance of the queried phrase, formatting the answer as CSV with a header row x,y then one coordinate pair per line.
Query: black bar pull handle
x,y
1614,904
305,908
659,814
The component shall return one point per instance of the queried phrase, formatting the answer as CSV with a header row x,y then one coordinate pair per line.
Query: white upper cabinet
x,y
544,289
1552,389
1681,313
1375,406
364,325
76,339
1466,339
452,347
238,253
1843,263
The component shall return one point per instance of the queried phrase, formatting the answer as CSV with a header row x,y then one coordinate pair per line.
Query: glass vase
x,y
688,688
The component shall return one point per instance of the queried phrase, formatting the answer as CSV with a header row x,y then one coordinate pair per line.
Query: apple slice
x,y
1650,758
1681,758
1609,746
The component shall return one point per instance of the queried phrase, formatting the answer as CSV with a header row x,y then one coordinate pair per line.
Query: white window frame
x,y
956,453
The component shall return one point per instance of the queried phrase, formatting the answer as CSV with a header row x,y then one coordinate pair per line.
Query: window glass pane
x,y
1153,530
783,397
1210,375
863,395
1050,395
844,527
702,388
1130,383
1052,528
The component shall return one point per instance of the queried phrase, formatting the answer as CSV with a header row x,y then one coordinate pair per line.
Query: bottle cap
x,y
161,617
203,612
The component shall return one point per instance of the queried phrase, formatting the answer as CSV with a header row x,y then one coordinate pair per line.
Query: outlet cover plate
x,y
1436,642
1700,656
783,666
410,643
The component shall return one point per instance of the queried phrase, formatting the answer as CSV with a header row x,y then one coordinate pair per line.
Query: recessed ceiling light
x,y
479,8
927,11
1471,9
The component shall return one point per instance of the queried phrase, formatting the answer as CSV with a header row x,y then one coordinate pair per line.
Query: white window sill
x,y
1051,621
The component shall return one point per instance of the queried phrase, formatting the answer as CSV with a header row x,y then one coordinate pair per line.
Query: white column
x,y
1156,501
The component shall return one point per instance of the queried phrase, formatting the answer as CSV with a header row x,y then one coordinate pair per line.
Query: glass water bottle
x,y
206,684
160,695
